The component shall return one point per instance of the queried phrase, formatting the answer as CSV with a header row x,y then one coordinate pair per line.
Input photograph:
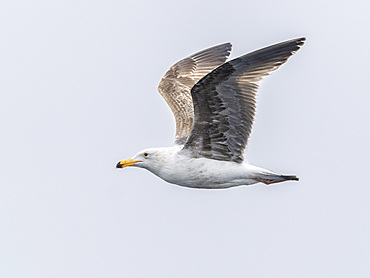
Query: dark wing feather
x,y
176,84
224,102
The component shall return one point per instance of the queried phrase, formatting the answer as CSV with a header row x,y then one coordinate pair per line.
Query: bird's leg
x,y
267,181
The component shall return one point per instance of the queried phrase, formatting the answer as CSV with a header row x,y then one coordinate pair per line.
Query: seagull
x,y
213,102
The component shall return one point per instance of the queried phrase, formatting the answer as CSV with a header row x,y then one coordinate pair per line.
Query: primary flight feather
x,y
213,103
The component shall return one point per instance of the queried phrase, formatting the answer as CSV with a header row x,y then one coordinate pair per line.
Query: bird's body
x,y
214,105
177,166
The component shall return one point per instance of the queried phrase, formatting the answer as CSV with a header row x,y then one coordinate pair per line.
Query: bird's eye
x,y
146,155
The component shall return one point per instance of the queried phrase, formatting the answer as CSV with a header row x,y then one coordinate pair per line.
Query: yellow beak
x,y
125,163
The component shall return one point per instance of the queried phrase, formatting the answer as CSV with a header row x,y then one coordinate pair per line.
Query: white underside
x,y
179,167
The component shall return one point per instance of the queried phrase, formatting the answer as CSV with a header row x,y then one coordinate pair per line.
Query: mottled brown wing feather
x,y
176,84
224,102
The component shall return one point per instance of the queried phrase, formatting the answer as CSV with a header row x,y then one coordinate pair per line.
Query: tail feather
x,y
290,178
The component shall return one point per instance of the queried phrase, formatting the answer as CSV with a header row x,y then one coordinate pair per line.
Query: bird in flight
x,y
213,102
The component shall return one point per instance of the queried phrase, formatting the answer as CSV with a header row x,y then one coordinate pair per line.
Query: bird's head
x,y
147,159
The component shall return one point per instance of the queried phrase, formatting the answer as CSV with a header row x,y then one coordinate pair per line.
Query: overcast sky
x,y
78,89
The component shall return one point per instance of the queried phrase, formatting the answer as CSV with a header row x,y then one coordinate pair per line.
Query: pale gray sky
x,y
78,93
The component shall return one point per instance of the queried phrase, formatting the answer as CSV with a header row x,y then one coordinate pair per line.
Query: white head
x,y
149,159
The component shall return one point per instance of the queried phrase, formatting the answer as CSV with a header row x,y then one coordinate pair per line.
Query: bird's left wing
x,y
224,102
176,84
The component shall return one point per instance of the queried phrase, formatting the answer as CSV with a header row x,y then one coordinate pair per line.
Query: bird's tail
x,y
269,178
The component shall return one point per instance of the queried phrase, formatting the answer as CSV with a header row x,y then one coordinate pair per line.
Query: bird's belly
x,y
206,173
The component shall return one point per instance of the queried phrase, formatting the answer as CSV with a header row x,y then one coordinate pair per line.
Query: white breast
x,y
180,168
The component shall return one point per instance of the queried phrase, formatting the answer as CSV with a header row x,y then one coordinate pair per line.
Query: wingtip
x,y
297,44
300,41
228,47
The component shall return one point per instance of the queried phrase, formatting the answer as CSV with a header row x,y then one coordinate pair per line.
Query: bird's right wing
x,y
224,102
176,84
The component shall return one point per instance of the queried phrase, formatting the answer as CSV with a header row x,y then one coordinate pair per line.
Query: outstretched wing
x,y
176,84
224,102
